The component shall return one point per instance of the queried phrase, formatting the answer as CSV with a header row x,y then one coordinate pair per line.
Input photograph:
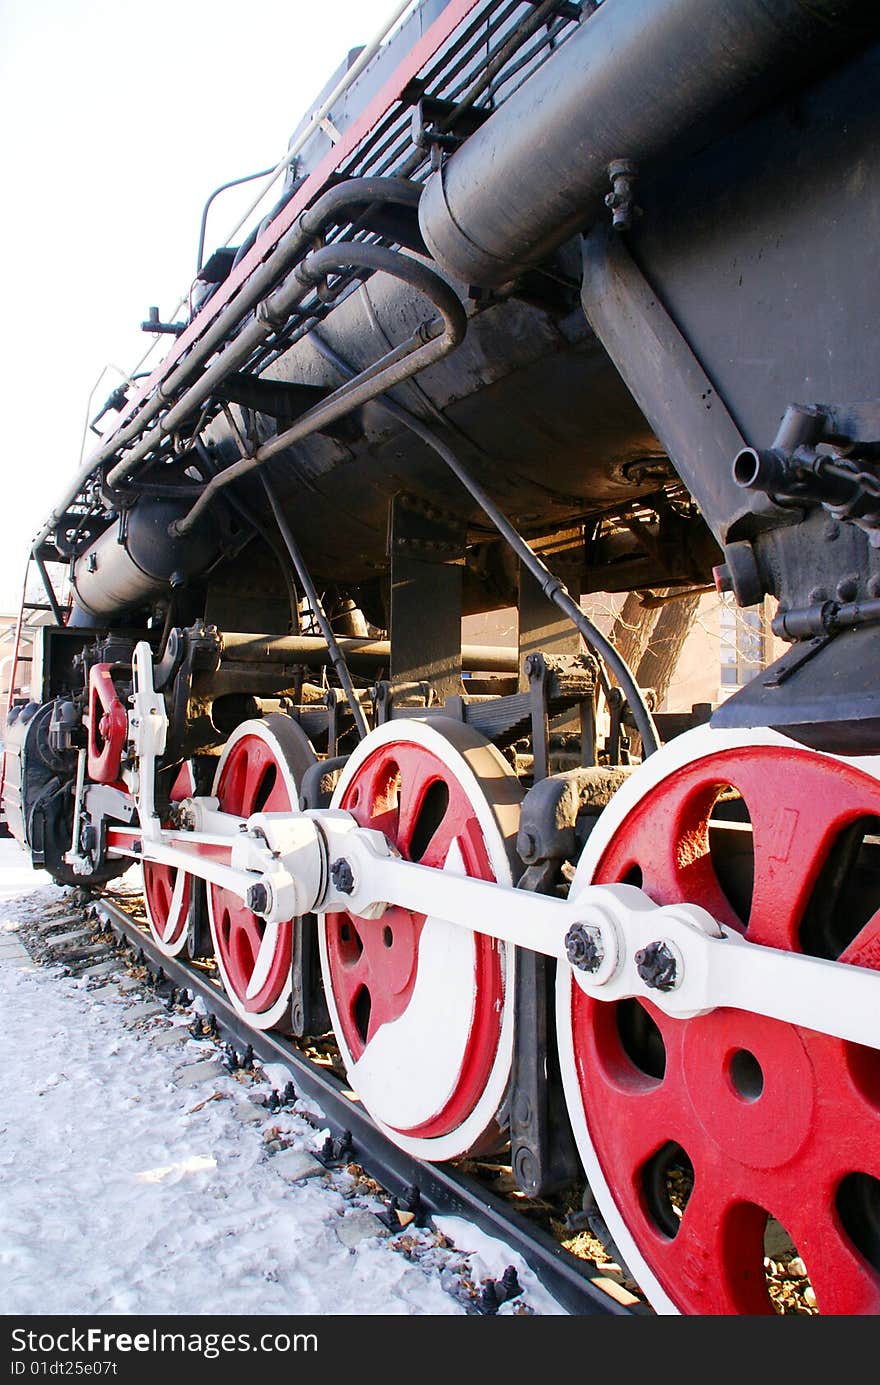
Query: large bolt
x,y
657,966
621,201
527,846
583,948
257,898
342,876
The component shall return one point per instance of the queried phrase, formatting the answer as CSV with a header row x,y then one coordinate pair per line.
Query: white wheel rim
x,y
270,1018
682,750
178,903
495,824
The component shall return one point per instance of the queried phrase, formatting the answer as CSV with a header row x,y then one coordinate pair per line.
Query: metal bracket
x,y
147,731
430,114
543,1154
617,744
537,672
621,199
175,648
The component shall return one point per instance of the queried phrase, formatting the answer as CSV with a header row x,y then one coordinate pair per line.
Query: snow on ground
x,y
122,1192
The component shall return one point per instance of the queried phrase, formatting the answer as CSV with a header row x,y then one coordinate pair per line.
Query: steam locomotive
x,y
559,297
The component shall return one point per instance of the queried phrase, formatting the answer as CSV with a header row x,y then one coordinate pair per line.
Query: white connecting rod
x,y
616,940
619,943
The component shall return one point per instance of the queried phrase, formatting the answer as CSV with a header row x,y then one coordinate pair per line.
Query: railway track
x,y
581,1286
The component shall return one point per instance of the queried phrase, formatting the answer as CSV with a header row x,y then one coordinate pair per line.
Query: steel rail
x,y
443,1190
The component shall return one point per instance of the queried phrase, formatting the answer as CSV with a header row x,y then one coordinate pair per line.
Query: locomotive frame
x,y
512,336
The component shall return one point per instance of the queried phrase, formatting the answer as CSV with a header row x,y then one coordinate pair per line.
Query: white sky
x,y
117,120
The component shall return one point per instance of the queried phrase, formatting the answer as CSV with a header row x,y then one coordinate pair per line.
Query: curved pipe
x,y
426,346
224,187
644,82
331,208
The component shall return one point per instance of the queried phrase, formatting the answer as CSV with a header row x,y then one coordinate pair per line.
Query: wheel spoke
x,y
419,1006
166,895
376,801
377,970
718,1254
864,950
268,947
166,888
175,904
708,1238
777,1121
256,768
413,786
790,849
669,847
257,772
842,1279
246,925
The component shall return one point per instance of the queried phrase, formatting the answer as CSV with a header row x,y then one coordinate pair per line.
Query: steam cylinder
x,y
119,573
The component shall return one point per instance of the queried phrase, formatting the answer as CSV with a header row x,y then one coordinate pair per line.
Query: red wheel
x,y
167,889
698,1135
259,771
422,1008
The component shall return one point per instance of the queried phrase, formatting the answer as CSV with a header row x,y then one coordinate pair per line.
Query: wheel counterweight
x,y
422,1008
259,771
708,1141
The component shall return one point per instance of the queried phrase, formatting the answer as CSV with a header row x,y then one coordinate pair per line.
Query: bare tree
x,y
632,629
661,655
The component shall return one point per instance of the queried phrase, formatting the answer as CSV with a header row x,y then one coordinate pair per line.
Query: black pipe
x,y
245,647
641,81
336,655
551,586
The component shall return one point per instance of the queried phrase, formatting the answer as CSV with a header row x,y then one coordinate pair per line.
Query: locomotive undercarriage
x,y
655,962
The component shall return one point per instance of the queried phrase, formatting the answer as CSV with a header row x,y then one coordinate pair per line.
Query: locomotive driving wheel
x,y
166,889
259,771
422,1008
710,1142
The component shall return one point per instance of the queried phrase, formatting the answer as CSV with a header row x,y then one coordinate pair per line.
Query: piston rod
x,y
359,653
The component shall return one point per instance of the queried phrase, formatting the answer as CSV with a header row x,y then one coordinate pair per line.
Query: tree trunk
x,y
660,659
632,628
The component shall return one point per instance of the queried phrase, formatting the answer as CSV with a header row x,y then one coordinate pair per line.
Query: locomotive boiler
x,y
558,298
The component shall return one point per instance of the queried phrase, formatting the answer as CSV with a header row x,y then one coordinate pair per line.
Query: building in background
x,y
725,648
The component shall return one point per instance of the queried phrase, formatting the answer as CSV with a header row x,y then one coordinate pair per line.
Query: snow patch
x,y
490,1257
